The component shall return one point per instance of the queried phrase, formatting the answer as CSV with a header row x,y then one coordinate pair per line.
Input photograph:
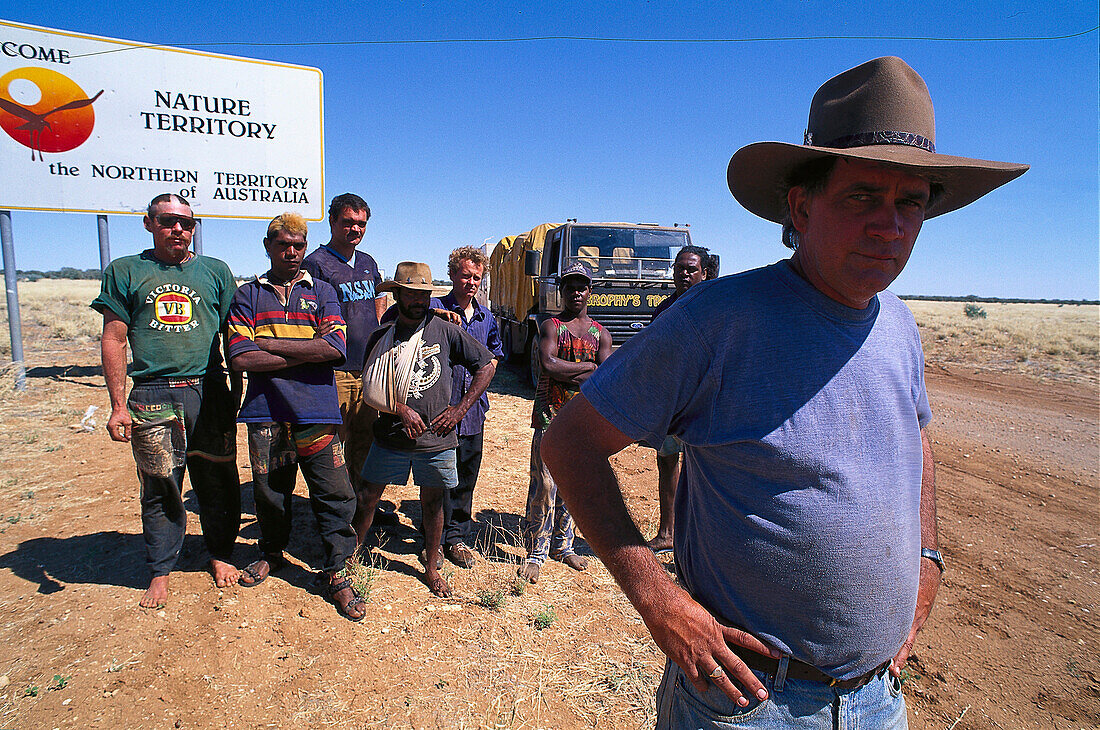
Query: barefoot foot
x,y
574,561
225,574
529,572
156,596
437,585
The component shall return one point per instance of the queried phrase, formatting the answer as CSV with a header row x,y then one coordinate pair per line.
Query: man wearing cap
x,y
286,331
408,375
170,305
805,519
571,345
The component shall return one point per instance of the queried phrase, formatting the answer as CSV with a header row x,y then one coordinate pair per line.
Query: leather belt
x,y
802,670
171,382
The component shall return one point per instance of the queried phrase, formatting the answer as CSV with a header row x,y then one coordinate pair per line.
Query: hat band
x,y
866,139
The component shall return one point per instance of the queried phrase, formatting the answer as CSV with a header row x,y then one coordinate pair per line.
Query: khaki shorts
x,y
357,432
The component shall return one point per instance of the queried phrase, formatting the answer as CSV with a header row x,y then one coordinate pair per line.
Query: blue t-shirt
x,y
797,512
302,394
356,283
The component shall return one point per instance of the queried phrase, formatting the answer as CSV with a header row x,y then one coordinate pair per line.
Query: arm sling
x,y
388,369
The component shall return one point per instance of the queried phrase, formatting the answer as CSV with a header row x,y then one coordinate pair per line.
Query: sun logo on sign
x,y
29,95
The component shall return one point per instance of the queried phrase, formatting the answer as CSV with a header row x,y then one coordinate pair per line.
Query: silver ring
x,y
718,672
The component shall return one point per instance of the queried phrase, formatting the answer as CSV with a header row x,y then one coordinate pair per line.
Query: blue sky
x,y
455,143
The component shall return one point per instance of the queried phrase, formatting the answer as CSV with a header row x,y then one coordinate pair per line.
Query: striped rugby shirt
x,y
301,394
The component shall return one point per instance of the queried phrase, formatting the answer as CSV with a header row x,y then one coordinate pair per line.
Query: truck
x,y
631,265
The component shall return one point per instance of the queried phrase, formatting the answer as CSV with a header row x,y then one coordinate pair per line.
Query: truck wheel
x,y
534,366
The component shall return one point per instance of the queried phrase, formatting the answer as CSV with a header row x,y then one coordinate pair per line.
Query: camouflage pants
x,y
185,425
547,526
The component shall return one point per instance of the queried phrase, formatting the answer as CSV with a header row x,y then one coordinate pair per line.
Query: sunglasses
x,y
165,220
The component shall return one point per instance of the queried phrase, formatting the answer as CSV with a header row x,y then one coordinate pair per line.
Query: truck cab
x,y
631,265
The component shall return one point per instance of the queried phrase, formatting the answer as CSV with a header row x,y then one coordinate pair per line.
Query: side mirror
x,y
531,263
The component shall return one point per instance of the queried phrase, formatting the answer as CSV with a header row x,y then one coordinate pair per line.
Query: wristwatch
x,y
935,557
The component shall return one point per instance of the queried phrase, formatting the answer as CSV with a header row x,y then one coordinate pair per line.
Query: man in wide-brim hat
x,y
806,518
416,433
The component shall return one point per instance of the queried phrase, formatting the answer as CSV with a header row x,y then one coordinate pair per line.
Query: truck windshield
x,y
626,253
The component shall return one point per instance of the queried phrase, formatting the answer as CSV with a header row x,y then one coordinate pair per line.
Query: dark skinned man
x,y
287,333
408,375
692,265
571,345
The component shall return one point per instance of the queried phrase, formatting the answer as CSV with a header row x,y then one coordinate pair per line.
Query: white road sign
x,y
98,125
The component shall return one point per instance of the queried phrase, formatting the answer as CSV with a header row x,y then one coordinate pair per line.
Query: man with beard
x,y
417,431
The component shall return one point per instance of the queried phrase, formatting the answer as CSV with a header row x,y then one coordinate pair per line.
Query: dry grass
x,y
1042,340
54,309
593,664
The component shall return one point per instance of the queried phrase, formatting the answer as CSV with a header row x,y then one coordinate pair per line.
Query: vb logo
x,y
45,110
173,308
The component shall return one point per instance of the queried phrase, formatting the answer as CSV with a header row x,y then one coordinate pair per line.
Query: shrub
x,y
973,311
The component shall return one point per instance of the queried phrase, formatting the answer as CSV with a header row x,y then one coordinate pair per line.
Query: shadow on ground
x,y
101,558
67,373
512,379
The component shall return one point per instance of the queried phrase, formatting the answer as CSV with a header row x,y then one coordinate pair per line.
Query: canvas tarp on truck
x,y
513,293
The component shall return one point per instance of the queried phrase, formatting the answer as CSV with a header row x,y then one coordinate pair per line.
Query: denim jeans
x,y
802,704
431,469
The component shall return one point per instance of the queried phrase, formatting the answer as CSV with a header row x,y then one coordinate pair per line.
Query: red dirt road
x,y
1012,642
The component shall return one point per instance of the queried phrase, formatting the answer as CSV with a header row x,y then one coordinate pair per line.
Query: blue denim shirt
x,y
482,326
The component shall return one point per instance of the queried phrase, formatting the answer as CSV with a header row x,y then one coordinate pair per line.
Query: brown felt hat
x,y
409,275
879,111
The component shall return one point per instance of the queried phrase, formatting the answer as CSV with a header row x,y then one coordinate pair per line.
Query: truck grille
x,y
619,325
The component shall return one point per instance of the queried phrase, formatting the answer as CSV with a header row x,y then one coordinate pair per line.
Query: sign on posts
x,y
98,125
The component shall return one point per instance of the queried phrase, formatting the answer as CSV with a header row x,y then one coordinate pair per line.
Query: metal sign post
x,y
196,238
15,326
104,243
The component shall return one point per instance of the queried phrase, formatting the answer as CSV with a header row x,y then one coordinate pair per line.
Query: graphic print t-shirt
x,y
442,346
173,312
355,283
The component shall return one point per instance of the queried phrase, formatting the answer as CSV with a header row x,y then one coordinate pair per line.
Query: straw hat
x,y
879,111
409,275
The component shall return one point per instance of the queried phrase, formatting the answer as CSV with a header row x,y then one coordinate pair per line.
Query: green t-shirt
x,y
173,312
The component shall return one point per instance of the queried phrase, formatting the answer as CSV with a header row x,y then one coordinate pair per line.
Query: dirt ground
x,y
1012,643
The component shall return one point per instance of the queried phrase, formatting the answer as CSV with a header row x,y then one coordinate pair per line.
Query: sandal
x,y
257,576
356,599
